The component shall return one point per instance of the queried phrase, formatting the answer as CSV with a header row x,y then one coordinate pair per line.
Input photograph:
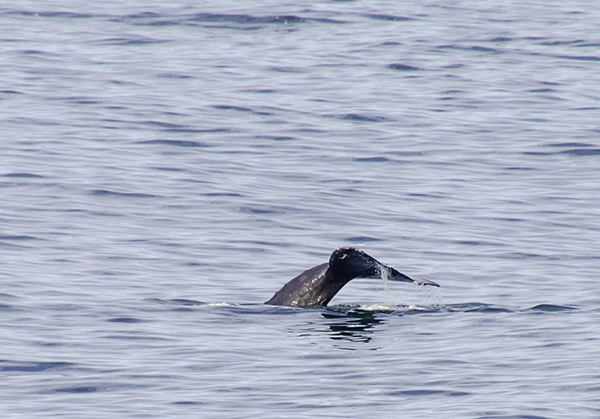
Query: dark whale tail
x,y
318,285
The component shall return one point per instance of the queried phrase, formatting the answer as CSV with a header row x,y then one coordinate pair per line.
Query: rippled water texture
x,y
166,167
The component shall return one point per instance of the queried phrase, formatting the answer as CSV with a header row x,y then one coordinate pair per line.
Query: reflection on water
x,y
357,323
354,325
347,322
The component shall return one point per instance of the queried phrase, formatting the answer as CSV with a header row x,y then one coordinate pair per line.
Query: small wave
x,y
22,175
176,301
240,18
582,152
105,192
475,307
389,18
372,159
362,239
81,389
69,15
174,143
274,137
18,238
363,118
483,49
426,392
183,302
33,366
403,67
551,308
124,320
223,20
240,109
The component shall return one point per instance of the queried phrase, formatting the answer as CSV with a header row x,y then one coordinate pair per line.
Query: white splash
x,y
385,277
429,296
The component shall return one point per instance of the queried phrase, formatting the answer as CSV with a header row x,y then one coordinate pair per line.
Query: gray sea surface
x,y
166,167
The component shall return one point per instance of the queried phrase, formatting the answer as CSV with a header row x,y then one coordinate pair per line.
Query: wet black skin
x,y
318,285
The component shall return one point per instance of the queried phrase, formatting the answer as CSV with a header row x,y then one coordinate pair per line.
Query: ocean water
x,y
166,167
